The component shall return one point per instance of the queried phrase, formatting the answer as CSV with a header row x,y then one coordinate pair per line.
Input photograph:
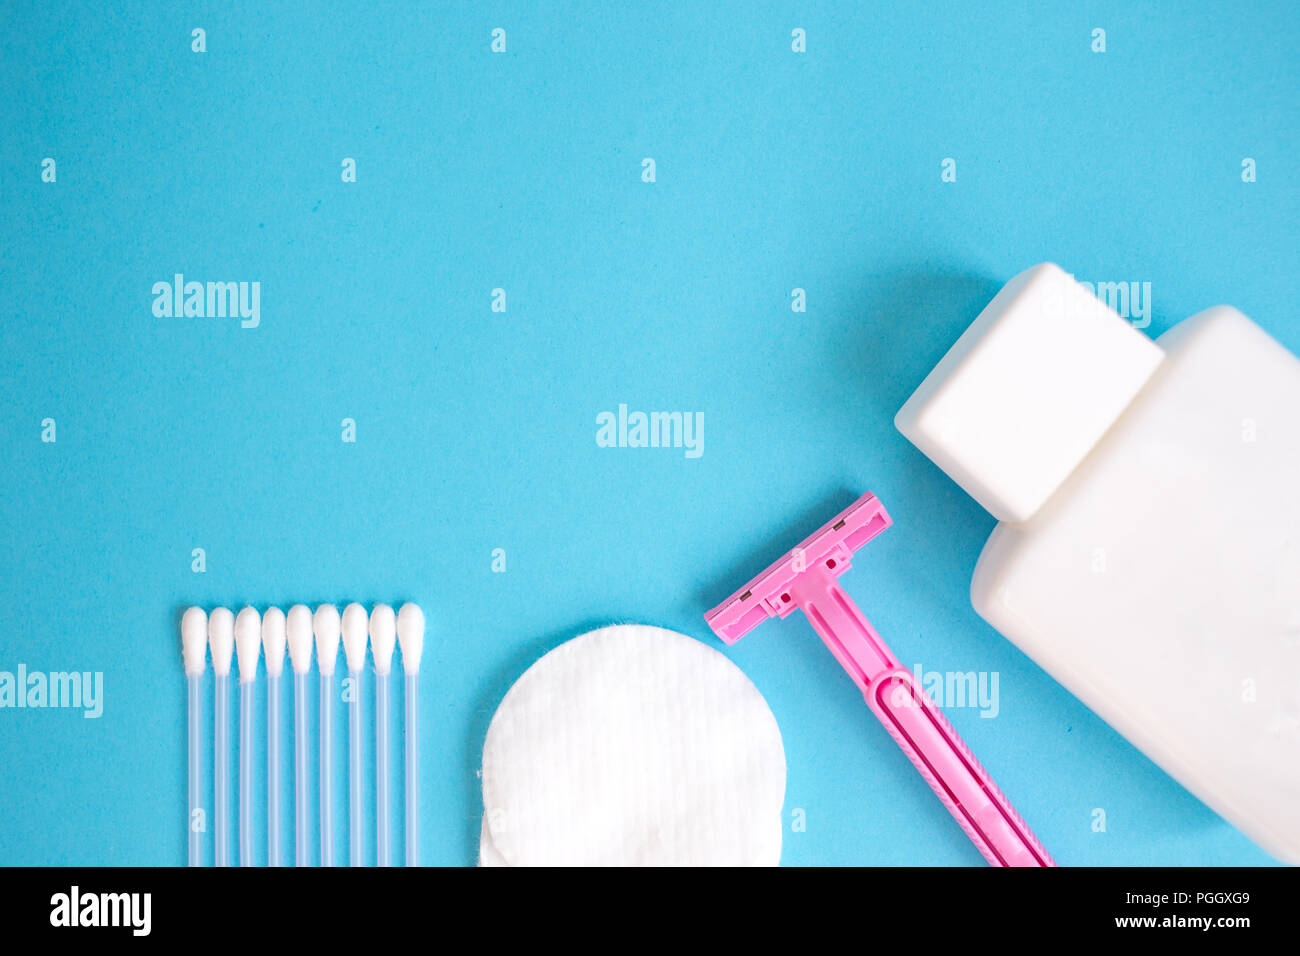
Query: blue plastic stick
x,y
354,771
245,773
273,850
412,732
222,749
301,852
326,770
381,769
195,690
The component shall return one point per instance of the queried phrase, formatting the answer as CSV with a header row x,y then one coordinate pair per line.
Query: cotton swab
x,y
273,642
410,631
221,639
194,650
326,625
383,637
298,635
248,645
354,649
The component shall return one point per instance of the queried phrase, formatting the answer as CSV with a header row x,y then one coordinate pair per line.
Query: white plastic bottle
x,y
1148,550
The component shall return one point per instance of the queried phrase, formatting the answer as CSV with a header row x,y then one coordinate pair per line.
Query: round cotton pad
x,y
633,745
489,856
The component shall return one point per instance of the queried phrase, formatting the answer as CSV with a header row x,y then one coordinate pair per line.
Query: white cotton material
x,y
354,626
383,637
274,641
194,640
489,855
410,636
221,639
298,635
325,625
248,642
633,746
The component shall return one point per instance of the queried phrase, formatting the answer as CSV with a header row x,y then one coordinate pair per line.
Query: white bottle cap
x,y
1027,391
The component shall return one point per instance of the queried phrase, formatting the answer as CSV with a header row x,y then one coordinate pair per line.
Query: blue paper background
x,y
476,430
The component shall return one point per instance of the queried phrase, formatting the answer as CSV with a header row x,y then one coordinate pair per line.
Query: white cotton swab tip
x,y
354,636
383,637
325,623
410,631
194,640
298,632
221,638
273,641
248,642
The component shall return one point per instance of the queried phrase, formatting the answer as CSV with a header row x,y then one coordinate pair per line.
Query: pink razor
x,y
808,578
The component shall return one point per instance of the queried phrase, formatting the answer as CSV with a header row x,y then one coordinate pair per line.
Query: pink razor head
x,y
770,594
808,578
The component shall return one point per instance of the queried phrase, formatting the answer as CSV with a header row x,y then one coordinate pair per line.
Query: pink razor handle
x,y
808,578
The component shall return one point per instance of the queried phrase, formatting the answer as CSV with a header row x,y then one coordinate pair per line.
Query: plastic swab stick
x,y
410,631
354,649
221,639
298,634
273,642
383,637
194,650
326,625
248,645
